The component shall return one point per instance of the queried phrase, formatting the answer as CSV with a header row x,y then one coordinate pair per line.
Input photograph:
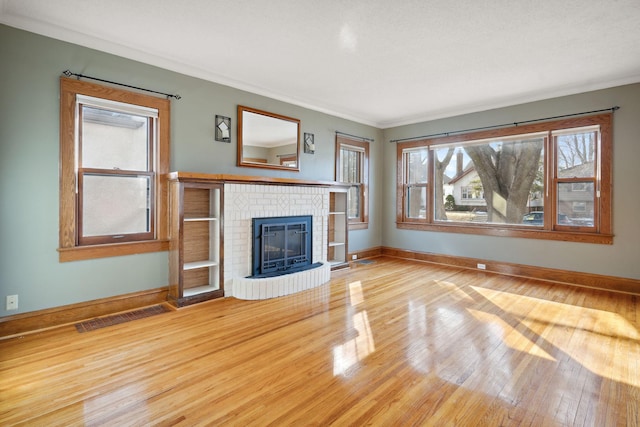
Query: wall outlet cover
x,y
12,302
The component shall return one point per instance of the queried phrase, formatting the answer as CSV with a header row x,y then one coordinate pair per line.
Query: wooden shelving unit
x,y
195,264
338,229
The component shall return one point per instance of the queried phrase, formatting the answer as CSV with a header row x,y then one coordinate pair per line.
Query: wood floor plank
x,y
394,342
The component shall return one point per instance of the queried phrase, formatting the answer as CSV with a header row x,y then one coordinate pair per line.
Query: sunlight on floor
x,y
455,291
580,332
510,336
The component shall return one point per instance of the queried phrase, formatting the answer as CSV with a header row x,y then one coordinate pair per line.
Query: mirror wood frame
x,y
242,161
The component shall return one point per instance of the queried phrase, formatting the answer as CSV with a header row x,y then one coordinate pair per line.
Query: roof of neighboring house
x,y
469,169
583,170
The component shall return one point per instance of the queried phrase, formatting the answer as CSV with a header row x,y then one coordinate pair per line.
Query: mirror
x,y
268,140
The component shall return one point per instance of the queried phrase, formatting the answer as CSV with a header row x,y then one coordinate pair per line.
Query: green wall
x,y
621,259
29,150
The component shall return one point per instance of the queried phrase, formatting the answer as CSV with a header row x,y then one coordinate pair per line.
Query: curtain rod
x,y
354,136
79,76
612,109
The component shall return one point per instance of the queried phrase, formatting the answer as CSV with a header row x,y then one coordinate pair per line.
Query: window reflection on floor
x,y
95,406
356,349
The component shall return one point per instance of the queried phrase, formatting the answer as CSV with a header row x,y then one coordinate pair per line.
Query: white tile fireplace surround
x,y
242,203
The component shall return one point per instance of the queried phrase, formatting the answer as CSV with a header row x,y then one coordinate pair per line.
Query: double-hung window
x,y
576,176
548,180
415,183
352,169
114,160
115,171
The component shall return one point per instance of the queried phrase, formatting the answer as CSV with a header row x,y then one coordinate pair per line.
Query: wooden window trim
x,y
363,221
603,233
68,249
402,186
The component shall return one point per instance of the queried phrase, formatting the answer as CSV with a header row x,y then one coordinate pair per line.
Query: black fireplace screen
x,y
281,245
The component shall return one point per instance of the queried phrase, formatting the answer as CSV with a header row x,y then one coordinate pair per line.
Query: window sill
x,y
566,236
358,225
79,253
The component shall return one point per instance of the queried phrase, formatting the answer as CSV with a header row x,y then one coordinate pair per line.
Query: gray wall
x,y
29,151
620,259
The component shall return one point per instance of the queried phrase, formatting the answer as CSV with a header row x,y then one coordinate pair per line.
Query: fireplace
x,y
244,202
281,245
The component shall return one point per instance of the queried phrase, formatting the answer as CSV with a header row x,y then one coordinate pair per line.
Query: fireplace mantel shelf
x,y
247,179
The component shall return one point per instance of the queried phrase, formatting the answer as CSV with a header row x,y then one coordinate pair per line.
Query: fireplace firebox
x,y
281,245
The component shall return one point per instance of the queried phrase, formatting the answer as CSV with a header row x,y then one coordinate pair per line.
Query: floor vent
x,y
116,319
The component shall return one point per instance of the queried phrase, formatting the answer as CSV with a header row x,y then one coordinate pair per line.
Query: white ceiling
x,y
379,62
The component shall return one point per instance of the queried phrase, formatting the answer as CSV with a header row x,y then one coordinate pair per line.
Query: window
x,y
579,207
415,186
472,192
576,175
578,186
546,180
352,168
114,149
288,161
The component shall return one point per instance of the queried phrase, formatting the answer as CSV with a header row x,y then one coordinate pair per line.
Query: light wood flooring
x,y
390,343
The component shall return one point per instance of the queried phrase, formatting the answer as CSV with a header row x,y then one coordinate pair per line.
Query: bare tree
x,y
575,149
440,166
507,173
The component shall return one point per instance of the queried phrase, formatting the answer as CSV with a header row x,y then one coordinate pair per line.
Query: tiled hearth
x,y
242,202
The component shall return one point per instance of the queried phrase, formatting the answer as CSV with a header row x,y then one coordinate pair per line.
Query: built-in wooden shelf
x,y
199,264
195,267
338,228
199,290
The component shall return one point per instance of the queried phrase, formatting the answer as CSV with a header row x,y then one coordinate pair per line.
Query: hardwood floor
x,y
394,342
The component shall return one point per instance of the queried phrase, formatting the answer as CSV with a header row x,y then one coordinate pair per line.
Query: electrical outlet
x,y
12,302
482,267
354,256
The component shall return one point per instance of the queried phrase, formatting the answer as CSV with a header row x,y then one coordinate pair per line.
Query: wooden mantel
x,y
247,179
